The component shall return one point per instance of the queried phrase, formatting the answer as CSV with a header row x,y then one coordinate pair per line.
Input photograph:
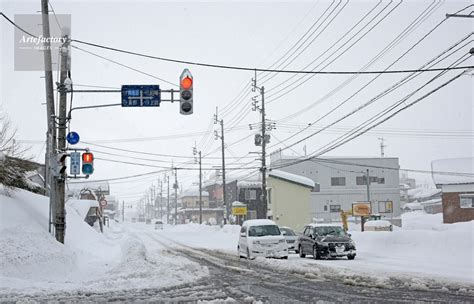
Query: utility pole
x,y
382,146
265,138
51,133
224,196
199,160
161,199
168,201
123,211
367,181
175,186
60,221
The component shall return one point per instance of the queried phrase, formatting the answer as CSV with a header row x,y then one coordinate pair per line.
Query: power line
x,y
401,36
125,66
384,93
240,68
317,154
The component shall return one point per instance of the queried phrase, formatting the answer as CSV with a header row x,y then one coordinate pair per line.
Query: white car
x,y
261,238
291,238
159,225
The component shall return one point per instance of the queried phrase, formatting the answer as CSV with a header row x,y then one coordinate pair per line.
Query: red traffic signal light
x,y
87,157
186,83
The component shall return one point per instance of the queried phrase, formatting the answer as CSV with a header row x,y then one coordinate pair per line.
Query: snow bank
x,y
33,263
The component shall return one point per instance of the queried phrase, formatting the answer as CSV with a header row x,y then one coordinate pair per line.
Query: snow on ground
x,y
33,263
424,249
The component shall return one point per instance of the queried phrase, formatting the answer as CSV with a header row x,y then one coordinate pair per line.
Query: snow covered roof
x,y
292,178
435,201
249,184
464,168
260,222
194,192
324,225
412,206
419,193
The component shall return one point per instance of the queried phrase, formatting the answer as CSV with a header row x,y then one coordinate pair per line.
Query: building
x,y
341,181
247,190
458,203
189,208
289,199
457,188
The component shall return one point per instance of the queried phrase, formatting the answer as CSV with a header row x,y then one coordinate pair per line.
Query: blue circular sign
x,y
72,138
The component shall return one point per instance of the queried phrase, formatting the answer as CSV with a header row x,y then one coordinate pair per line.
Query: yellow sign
x,y
239,210
361,209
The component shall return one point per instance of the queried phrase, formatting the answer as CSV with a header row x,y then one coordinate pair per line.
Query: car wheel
x,y
316,253
285,258
300,251
351,257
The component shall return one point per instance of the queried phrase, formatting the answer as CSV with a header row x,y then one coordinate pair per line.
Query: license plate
x,y
339,249
270,252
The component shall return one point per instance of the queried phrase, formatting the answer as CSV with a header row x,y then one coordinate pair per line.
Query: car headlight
x,y
256,242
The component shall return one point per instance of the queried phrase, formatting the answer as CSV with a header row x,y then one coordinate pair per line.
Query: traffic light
x,y
87,163
186,93
59,168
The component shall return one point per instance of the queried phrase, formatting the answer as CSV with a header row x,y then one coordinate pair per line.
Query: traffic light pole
x,y
60,219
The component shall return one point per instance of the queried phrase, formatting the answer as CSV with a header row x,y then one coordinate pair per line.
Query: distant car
x,y
290,237
261,238
159,225
134,219
148,221
326,241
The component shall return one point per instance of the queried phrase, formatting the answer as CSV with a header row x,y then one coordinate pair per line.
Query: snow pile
x,y
205,236
33,263
422,251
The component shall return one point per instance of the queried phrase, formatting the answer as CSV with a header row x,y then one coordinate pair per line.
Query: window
x,y
264,230
385,207
307,231
317,188
466,201
335,208
325,208
250,194
338,181
360,180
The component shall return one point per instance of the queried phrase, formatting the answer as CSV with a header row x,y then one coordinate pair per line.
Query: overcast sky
x,y
250,34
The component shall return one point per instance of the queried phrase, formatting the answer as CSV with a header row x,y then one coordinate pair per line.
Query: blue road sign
x,y
141,96
72,138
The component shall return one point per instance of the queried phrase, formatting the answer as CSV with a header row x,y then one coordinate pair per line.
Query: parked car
x,y
159,225
261,238
326,241
148,221
290,237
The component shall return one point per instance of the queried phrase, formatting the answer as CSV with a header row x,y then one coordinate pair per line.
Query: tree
x,y
13,165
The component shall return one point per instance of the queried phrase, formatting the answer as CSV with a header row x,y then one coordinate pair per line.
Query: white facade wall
x,y
329,195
